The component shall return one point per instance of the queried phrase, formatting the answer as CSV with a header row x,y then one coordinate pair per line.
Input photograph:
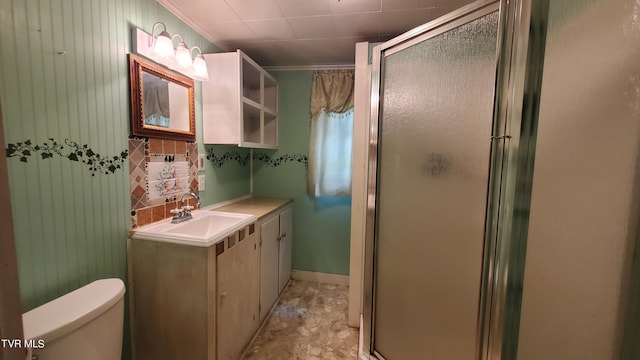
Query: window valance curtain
x,y
332,90
329,172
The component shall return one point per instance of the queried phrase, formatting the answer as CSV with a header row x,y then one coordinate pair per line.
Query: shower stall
x,y
504,185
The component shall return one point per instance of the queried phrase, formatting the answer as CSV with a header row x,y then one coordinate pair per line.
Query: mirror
x,y
162,104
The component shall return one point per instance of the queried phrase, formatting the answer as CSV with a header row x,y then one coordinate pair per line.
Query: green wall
x,y
321,227
64,75
230,181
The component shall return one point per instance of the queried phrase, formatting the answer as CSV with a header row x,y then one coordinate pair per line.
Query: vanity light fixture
x,y
159,47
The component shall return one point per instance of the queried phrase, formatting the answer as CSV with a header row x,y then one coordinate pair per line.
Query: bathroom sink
x,y
205,229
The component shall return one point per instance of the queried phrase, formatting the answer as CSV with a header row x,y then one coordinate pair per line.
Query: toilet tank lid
x,y
68,312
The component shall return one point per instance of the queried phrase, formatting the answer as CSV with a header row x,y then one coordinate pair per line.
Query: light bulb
x,y
200,68
183,56
163,46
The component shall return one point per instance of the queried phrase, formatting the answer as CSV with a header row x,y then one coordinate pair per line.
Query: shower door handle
x,y
501,137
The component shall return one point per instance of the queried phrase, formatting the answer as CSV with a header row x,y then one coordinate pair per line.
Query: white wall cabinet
x,y
239,103
275,256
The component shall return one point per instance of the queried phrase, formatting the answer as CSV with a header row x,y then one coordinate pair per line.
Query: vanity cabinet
x,y
172,292
275,228
275,256
238,284
239,103
190,302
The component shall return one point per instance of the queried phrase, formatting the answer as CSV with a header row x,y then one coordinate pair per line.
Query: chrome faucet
x,y
184,212
193,195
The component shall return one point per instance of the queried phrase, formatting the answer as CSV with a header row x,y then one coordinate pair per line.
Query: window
x,y
330,153
330,146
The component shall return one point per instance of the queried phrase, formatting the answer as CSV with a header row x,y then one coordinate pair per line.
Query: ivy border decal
x,y
243,160
70,150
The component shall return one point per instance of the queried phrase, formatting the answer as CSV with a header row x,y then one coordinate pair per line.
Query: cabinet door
x,y
237,310
253,282
286,237
221,100
227,307
269,233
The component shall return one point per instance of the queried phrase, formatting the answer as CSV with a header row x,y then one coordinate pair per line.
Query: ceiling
x,y
304,33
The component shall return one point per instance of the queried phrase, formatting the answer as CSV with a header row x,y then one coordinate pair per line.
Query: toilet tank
x,y
84,324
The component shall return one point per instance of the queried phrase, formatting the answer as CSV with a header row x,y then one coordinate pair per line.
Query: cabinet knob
x,y
224,293
284,234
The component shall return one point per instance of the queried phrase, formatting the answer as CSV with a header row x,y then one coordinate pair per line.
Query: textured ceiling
x,y
304,32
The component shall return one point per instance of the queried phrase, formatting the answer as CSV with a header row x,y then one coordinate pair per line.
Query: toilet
x,y
86,324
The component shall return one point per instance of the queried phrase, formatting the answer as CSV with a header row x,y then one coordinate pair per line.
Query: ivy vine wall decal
x,y
275,162
219,161
243,160
70,150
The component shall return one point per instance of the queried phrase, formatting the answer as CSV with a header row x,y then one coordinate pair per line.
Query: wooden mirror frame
x,y
137,65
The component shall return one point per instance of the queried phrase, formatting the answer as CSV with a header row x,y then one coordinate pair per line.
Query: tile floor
x,y
309,322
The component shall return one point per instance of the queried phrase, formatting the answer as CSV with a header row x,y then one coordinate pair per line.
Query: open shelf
x,y
250,124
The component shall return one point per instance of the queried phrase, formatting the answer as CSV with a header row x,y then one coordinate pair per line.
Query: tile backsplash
x,y
167,178
160,172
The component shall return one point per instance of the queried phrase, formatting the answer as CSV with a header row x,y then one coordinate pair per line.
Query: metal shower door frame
x,y
520,50
432,29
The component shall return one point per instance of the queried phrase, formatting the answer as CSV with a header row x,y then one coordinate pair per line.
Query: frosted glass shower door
x,y
434,131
